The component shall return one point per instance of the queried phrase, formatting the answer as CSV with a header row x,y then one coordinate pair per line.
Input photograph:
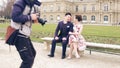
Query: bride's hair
x,y
78,17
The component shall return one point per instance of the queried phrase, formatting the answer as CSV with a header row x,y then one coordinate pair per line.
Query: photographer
x,y
22,21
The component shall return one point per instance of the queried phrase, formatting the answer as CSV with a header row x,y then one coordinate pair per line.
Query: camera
x,y
41,21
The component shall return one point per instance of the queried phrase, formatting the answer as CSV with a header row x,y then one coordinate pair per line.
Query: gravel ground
x,y
9,58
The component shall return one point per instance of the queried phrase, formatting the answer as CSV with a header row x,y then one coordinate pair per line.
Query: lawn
x,y
102,34
92,33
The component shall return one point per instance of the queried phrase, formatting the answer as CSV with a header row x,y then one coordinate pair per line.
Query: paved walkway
x,y
11,59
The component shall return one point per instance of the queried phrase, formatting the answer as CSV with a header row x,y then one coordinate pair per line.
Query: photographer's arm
x,y
17,15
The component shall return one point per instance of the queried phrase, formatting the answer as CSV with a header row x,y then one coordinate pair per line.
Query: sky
x,y
1,2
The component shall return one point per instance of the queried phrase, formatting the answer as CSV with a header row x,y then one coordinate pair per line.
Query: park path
x,y
11,59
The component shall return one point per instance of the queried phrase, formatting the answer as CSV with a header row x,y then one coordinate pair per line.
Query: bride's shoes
x,y
77,56
69,57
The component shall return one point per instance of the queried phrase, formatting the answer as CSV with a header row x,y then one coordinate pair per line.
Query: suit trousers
x,y
64,45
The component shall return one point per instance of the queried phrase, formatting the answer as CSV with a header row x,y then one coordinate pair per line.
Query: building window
x,y
51,8
84,8
93,18
110,5
76,8
51,17
58,8
106,7
44,9
93,8
44,17
106,18
58,17
67,9
84,18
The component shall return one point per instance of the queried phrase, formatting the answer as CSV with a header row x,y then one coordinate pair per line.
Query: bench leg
x,y
47,45
90,51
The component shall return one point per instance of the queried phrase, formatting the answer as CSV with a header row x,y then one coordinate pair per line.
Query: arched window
x,y
58,17
51,17
92,18
44,17
84,18
105,18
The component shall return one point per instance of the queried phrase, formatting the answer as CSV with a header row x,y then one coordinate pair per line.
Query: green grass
x,y
103,31
3,29
42,31
102,34
92,33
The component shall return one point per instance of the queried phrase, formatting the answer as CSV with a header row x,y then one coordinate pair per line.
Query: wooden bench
x,y
47,42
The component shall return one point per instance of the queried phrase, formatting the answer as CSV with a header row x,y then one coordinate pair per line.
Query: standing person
x,y
64,27
22,21
76,40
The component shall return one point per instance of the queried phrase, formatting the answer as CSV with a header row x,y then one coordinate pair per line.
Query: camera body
x,y
41,21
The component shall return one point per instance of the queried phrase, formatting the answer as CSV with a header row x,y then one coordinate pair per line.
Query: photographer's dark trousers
x,y
26,50
64,45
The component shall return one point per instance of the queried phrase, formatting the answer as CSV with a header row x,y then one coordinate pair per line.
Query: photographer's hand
x,y
33,17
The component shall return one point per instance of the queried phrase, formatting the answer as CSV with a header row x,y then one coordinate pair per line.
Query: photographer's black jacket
x,y
21,18
18,9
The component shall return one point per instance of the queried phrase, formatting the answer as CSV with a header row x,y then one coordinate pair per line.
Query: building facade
x,y
92,11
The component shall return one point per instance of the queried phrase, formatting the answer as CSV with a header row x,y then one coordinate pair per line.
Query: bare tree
x,y
8,7
2,7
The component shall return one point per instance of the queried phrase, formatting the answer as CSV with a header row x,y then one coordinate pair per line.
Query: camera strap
x,y
30,11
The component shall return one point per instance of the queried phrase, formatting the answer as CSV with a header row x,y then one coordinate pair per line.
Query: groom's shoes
x,y
63,57
51,55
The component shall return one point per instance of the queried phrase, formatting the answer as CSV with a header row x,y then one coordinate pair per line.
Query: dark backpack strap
x,y
30,11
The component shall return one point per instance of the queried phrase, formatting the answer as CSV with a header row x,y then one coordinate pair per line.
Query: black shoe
x,y
51,55
63,57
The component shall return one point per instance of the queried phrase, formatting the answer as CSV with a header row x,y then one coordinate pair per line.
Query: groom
x,y
62,34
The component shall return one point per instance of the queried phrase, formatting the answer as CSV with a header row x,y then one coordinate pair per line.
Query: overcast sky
x,y
1,2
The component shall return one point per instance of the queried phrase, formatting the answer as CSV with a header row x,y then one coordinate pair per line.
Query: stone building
x,y
92,11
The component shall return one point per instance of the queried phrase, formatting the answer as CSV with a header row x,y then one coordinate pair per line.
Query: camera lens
x,y
41,21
